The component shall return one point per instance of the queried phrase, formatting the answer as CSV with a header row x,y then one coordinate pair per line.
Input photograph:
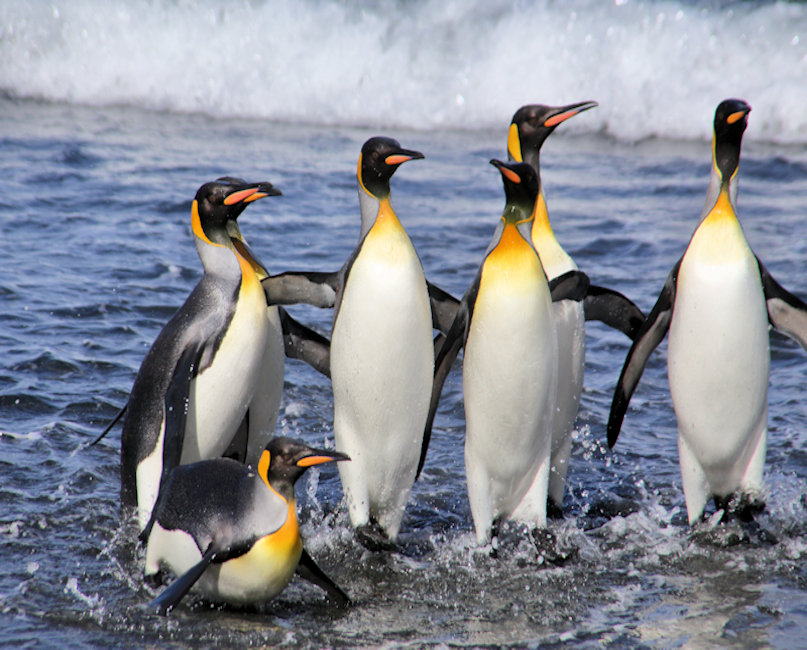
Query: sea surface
x,y
112,116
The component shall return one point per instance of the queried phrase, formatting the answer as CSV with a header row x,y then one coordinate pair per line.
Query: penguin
x,y
382,355
717,304
231,532
198,379
530,127
509,376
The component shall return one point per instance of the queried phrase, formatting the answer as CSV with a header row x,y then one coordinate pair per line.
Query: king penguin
x,y
382,355
509,376
232,532
199,377
717,304
530,127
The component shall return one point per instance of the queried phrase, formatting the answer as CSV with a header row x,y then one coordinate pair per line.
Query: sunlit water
x,y
97,254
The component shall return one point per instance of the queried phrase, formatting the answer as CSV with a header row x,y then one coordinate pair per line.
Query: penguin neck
x,y
717,180
720,236
513,249
216,251
384,220
556,261
370,207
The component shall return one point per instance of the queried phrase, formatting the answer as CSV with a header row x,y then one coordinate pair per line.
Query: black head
x,y
520,189
731,119
223,200
285,460
533,123
379,159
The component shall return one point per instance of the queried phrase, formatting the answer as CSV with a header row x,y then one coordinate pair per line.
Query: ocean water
x,y
110,119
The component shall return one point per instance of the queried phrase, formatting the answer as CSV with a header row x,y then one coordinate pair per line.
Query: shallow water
x,y
97,254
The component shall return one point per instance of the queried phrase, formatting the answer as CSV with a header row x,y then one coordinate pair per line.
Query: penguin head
x,y
222,201
533,123
285,460
378,160
520,190
731,118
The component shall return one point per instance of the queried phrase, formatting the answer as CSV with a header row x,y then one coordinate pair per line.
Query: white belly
x,y
718,363
251,578
265,403
509,386
220,395
382,363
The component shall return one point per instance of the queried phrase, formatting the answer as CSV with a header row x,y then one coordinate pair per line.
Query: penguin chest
x,y
382,356
509,374
718,356
222,392
263,571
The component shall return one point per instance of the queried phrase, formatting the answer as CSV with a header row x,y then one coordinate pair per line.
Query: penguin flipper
x,y
109,426
301,342
613,309
649,336
444,307
308,570
449,349
176,591
310,287
572,285
786,312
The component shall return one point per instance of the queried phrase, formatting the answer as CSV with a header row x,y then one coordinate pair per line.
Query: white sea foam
x,y
656,67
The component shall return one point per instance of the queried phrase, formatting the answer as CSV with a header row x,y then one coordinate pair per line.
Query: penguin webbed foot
x,y
546,543
743,507
373,538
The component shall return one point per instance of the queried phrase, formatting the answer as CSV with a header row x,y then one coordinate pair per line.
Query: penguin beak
x,y
251,193
245,251
565,112
403,156
320,456
505,170
738,115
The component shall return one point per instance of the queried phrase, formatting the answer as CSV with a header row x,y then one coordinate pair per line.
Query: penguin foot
x,y
155,579
546,543
373,538
553,510
744,507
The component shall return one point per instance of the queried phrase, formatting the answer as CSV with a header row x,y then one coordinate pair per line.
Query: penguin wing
x,y
613,309
301,342
308,570
572,285
309,287
444,307
450,348
786,312
176,591
109,426
649,336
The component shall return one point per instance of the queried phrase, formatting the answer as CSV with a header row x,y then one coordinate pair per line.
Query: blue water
x,y
103,143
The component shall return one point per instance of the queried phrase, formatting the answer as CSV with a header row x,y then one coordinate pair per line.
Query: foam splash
x,y
657,68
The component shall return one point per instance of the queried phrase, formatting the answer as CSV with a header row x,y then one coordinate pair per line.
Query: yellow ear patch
x,y
263,466
196,224
237,197
514,143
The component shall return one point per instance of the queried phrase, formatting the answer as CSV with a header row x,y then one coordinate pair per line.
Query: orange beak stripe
x,y
255,197
397,159
308,461
560,117
510,174
734,117
237,197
